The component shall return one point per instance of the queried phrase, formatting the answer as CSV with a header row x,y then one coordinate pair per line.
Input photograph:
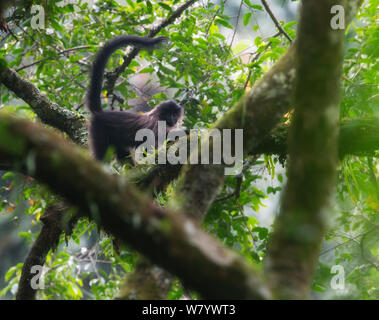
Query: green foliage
x,y
231,220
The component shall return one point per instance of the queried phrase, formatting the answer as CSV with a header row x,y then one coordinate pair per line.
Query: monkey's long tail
x,y
101,59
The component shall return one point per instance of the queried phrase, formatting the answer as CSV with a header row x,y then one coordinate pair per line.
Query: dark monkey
x,y
118,128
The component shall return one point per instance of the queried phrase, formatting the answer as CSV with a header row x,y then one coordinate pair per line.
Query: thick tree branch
x,y
359,137
49,112
168,238
48,239
356,137
293,249
146,282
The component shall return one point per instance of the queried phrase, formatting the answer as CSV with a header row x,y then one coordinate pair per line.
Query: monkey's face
x,y
171,112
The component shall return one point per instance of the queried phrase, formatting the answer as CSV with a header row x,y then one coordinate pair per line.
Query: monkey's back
x,y
115,129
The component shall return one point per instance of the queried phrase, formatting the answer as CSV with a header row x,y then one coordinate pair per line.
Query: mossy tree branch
x,y
168,238
47,111
293,249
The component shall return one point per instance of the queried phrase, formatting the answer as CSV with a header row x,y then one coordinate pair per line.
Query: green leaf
x,y
8,175
289,24
165,6
131,3
149,6
57,26
10,273
246,18
25,235
257,7
318,287
147,70
257,41
224,23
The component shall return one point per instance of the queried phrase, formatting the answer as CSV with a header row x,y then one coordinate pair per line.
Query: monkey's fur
x,y
118,128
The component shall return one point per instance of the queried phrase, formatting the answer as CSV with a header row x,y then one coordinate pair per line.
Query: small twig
x,y
351,239
48,239
237,191
79,106
235,29
372,177
256,57
239,178
224,198
265,4
12,34
213,19
47,58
